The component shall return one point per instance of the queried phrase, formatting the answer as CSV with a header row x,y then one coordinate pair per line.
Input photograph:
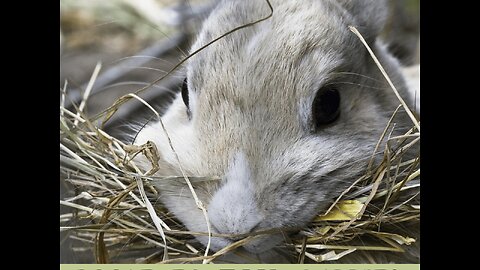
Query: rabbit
x,y
279,116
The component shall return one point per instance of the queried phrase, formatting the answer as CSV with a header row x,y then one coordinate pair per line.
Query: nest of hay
x,y
115,212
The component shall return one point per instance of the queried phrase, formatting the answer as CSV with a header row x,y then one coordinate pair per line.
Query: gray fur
x,y
251,95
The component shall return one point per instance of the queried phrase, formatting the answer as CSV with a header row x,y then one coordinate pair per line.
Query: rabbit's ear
x,y
370,16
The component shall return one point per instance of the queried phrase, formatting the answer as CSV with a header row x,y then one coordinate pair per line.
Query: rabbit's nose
x,y
233,218
233,208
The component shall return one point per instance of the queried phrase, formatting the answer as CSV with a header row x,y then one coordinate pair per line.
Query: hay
x,y
115,210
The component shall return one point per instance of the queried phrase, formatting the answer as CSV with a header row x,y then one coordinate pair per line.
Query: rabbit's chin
x,y
263,243
259,244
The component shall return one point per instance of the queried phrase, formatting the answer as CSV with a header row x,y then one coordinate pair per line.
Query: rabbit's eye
x,y
185,92
326,106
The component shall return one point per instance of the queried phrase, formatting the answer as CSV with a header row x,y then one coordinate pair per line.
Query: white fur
x,y
412,75
233,208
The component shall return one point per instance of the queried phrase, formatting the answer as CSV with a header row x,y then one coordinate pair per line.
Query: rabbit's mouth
x,y
263,243
253,243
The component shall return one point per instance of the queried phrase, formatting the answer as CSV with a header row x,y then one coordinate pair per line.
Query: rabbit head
x,y
284,114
